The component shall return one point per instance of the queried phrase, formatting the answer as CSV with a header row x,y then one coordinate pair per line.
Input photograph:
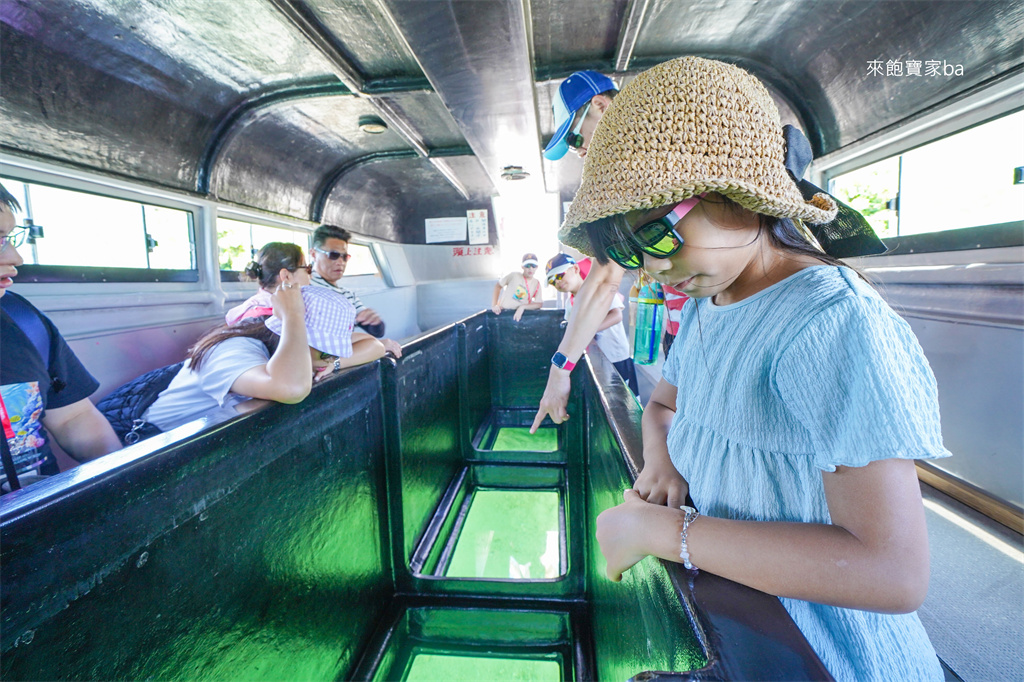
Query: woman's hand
x,y
621,533
519,313
661,483
287,298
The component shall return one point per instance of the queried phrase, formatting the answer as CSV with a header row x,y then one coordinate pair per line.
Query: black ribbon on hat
x,y
846,235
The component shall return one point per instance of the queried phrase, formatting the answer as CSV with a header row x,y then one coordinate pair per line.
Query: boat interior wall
x,y
296,528
438,303
260,106
967,310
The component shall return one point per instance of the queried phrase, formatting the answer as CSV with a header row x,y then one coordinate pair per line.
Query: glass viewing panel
x,y
964,180
489,546
239,241
519,438
133,234
455,668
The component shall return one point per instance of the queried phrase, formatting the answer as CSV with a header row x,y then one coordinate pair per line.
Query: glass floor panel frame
x,y
466,516
501,630
434,552
499,434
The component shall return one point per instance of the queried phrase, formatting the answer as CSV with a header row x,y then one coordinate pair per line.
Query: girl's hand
x,y
620,534
661,483
324,373
519,313
496,309
287,298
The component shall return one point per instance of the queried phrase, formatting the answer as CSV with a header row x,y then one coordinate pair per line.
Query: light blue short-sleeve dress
x,y
809,374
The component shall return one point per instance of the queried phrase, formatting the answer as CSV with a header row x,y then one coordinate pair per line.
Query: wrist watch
x,y
562,362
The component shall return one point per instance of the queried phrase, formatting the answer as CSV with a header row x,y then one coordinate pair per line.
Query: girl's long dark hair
x,y
250,327
269,261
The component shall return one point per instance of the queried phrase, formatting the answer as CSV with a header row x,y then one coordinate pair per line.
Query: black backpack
x,y
124,406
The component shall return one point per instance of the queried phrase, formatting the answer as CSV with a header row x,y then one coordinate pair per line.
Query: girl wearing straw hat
x,y
793,409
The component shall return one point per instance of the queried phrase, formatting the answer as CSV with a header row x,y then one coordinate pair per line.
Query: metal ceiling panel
x,y
426,113
369,37
277,159
137,88
391,199
475,55
569,35
818,55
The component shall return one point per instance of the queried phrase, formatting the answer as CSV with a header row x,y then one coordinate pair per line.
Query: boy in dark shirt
x,y
40,395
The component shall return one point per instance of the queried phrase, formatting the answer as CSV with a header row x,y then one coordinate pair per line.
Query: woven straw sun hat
x,y
682,128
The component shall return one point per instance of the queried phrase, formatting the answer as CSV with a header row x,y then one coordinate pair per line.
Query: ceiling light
x,y
372,125
514,173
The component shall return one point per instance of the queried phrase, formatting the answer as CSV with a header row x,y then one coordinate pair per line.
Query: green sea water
x,y
509,534
519,438
431,667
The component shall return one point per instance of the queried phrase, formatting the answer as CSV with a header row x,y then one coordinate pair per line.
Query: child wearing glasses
x,y
566,276
44,388
519,291
792,409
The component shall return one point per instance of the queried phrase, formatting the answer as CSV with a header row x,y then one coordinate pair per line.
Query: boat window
x,y
362,261
72,228
966,180
239,241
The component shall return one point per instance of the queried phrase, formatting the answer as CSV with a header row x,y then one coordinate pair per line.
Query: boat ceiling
x,y
258,102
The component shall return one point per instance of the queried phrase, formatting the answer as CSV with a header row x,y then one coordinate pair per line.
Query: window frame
x,y
999,99
30,273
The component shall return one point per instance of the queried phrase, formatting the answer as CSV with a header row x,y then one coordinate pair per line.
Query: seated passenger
x,y
42,383
274,358
330,256
271,259
519,291
566,275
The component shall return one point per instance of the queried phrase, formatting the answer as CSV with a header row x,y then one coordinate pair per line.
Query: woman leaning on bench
x,y
288,336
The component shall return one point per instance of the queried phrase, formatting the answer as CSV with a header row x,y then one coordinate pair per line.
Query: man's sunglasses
x,y
573,138
14,239
334,255
552,281
657,238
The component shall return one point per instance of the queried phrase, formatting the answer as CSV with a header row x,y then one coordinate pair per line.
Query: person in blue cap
x,y
579,104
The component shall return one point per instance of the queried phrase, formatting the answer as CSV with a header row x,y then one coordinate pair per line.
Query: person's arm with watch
x,y
588,312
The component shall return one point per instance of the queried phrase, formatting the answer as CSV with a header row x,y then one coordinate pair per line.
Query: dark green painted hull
x,y
314,541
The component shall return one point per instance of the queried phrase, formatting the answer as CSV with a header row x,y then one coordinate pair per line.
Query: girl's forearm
x,y
813,562
654,424
364,349
291,364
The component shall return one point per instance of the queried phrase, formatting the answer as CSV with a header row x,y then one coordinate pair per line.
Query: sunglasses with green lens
x,y
658,238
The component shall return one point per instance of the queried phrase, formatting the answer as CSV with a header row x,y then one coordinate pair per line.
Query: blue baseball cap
x,y
559,264
574,92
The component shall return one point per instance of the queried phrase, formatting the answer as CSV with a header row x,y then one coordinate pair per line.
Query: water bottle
x,y
650,318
